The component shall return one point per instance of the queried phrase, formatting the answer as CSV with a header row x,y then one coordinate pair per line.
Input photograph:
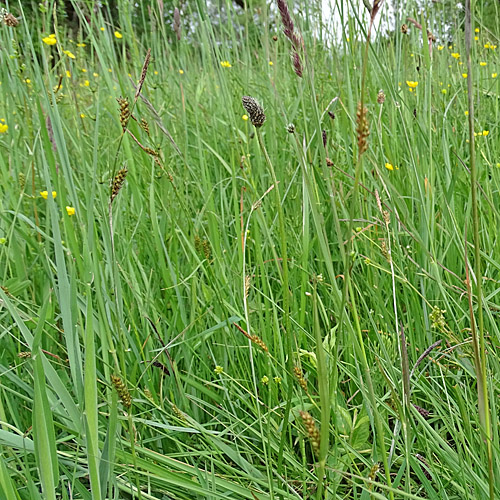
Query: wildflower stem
x,y
349,289
478,343
286,299
324,396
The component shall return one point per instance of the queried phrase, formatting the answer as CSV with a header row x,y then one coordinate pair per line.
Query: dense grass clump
x,y
243,257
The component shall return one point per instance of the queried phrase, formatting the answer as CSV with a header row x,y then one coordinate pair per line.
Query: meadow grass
x,y
210,310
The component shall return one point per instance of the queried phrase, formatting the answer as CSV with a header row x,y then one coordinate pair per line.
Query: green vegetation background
x,y
122,373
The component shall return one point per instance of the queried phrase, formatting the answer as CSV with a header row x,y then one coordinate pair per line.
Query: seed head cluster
x,y
300,377
122,391
362,129
311,430
8,19
118,182
124,112
254,110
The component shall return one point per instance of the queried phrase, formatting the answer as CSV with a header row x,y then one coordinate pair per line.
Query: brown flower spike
x,y
254,110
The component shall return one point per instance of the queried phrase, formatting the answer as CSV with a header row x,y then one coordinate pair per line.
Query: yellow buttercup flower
x,y
440,47
464,75
466,113
494,75
476,38
486,132
45,194
225,64
412,85
456,55
3,128
69,54
50,40
270,63
86,83
70,210
118,34
477,30
388,166
245,117
482,63
81,44
68,74
181,71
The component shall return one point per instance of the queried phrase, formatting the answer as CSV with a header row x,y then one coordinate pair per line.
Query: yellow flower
x,y
412,85
270,63
476,38
444,91
181,71
82,115
486,132
486,45
277,380
155,72
95,75
482,63
81,44
218,370
440,47
466,113
50,40
84,70
3,128
118,34
477,30
70,210
45,194
3,241
464,75
493,47
68,74
245,117
86,83
102,28
388,166
494,75
265,380
69,54
28,81
456,55
225,64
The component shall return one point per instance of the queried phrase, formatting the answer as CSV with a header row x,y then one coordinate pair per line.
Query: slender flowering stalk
x,y
258,117
478,337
